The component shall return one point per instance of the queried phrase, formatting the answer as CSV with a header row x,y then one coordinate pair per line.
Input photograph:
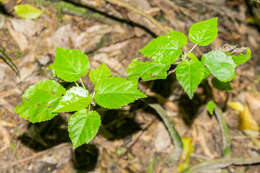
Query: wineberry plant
x,y
46,99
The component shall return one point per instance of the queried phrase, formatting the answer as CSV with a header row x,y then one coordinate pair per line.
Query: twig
x,y
224,130
140,12
222,163
176,139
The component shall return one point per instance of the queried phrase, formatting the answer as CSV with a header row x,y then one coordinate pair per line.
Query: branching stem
x,y
193,47
186,54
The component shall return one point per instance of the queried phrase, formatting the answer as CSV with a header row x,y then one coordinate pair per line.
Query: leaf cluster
x,y
166,50
47,98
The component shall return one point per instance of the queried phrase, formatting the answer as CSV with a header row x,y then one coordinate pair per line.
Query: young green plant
x,y
47,98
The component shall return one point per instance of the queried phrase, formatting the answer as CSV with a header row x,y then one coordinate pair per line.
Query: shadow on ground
x,y
42,136
45,135
117,124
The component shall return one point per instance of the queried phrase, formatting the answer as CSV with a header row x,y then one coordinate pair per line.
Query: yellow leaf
x,y
251,20
246,120
185,158
236,105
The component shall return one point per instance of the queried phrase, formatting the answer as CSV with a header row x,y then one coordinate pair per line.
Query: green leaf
x,y
165,49
70,65
27,11
116,92
221,85
211,106
100,73
190,73
83,127
75,99
40,100
242,58
220,65
206,70
205,32
146,70
206,73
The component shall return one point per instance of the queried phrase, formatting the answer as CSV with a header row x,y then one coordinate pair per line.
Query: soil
x,y
133,138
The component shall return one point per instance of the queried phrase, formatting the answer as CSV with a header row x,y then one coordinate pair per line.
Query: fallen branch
x,y
140,12
74,9
221,163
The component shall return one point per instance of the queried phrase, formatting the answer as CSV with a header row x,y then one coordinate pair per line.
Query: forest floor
x,y
132,139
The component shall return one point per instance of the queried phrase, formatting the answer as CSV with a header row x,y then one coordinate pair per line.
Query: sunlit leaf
x,y
75,99
205,32
146,70
242,58
70,65
190,73
100,73
83,127
220,65
116,92
165,49
40,100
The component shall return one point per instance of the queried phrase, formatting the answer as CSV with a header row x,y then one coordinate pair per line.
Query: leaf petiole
x,y
193,47
76,84
82,83
186,54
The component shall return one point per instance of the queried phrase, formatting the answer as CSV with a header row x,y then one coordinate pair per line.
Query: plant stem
x,y
193,47
82,83
76,84
171,71
224,130
186,54
175,137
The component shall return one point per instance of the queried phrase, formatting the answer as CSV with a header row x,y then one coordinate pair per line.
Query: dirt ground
x,y
133,138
